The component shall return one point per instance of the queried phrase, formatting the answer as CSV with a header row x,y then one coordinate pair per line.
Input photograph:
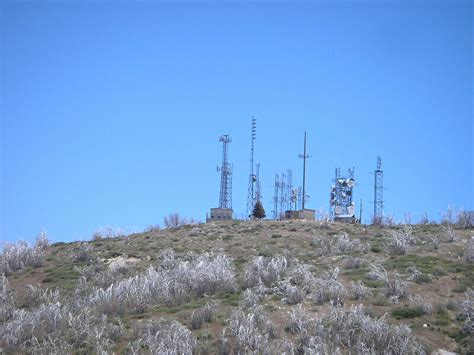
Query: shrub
x,y
202,315
465,219
359,291
264,270
450,234
16,256
467,313
452,305
300,275
87,327
352,331
42,242
152,228
419,302
434,242
166,337
291,294
177,282
417,276
394,287
7,301
329,289
407,312
35,295
251,331
323,244
353,263
378,221
248,299
399,242
344,244
83,253
424,220
54,328
108,232
299,320
469,251
174,220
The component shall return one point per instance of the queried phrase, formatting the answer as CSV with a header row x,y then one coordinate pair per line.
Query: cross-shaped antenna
x,y
304,156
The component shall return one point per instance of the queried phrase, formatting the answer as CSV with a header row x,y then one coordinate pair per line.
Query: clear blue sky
x,y
111,111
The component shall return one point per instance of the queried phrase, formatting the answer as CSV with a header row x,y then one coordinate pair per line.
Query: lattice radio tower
x,y
225,196
378,192
252,177
282,194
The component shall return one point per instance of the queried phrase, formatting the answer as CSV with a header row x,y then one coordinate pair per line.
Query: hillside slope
x,y
263,287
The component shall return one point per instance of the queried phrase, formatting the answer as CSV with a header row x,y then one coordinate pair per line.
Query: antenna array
x,y
225,196
378,192
252,177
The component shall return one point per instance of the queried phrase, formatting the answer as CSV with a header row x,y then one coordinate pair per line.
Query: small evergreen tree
x,y
258,211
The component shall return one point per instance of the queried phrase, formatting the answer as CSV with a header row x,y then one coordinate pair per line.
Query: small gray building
x,y
220,214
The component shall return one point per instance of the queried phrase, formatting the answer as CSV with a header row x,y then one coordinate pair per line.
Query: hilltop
x,y
248,286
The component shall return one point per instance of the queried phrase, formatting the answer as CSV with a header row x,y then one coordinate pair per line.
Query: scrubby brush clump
x,y
17,256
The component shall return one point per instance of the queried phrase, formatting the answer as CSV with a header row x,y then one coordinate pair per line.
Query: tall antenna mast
x,y
378,192
275,197
258,188
304,156
289,188
225,196
252,177
282,194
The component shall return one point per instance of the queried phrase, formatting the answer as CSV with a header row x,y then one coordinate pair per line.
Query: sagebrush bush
x,y
18,255
108,232
394,287
35,295
42,242
300,274
174,220
299,320
252,331
54,324
400,242
264,270
7,301
353,263
466,313
418,276
291,294
83,252
329,289
469,250
177,282
249,299
355,332
450,234
323,245
359,291
165,336
345,245
421,304
205,314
